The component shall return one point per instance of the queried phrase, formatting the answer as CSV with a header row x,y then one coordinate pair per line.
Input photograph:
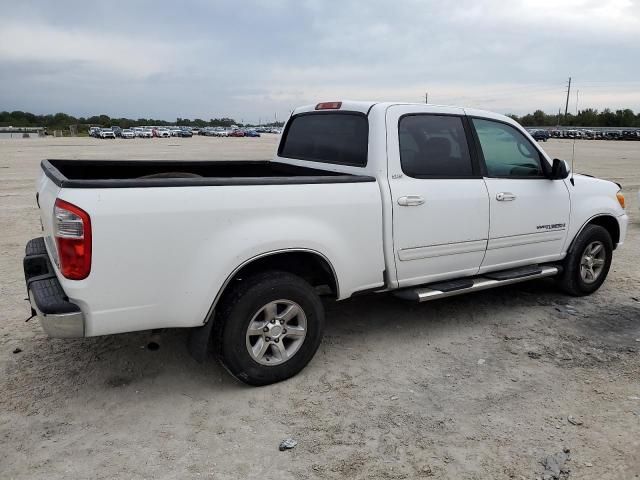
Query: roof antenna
x,y
573,149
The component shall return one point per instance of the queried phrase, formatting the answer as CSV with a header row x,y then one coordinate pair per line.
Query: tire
x,y
251,303
572,280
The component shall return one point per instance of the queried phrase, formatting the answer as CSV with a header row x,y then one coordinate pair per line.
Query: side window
x,y
507,152
434,146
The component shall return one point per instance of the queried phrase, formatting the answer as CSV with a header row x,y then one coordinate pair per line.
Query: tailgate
x,y
46,197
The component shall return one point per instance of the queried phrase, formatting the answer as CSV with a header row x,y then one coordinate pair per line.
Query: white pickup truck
x,y
425,201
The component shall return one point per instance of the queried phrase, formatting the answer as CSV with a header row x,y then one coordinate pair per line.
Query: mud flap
x,y
199,341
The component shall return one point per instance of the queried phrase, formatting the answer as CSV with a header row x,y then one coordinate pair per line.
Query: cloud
x,y
131,56
205,59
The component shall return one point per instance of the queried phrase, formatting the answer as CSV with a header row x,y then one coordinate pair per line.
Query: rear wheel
x,y
268,328
588,262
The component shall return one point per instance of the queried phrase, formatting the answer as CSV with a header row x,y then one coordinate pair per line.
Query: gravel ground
x,y
479,386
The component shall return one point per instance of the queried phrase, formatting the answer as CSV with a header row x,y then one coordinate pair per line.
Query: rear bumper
x,y
58,316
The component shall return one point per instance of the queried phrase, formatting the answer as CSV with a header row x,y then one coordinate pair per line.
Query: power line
x,y
614,82
505,93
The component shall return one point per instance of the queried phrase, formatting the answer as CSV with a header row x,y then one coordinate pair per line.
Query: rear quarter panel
x,y
160,255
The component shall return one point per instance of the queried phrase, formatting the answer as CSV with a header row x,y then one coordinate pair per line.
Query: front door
x,y
440,201
529,212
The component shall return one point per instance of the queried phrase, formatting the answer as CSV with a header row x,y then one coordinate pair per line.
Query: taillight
x,y
72,231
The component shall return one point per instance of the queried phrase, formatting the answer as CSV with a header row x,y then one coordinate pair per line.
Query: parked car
x,y
127,133
251,133
146,133
360,197
185,133
236,133
578,134
107,133
163,133
613,135
116,130
94,132
220,132
540,135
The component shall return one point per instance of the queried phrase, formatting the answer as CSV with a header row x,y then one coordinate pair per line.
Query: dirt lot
x,y
463,388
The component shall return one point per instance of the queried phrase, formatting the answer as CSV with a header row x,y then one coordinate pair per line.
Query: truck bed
x,y
152,173
160,257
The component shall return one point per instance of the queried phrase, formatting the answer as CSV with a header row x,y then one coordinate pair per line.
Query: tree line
x,y
62,121
584,118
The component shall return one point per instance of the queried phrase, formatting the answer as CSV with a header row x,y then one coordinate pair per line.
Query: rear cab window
x,y
340,138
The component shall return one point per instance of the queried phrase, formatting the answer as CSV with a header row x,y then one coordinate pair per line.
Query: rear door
x,y
440,201
529,212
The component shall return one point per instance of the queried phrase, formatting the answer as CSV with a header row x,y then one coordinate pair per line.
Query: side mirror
x,y
559,170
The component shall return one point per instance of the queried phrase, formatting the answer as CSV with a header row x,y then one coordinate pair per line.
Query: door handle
x,y
410,201
505,197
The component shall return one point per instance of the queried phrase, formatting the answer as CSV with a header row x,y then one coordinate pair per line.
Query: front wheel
x,y
268,328
587,263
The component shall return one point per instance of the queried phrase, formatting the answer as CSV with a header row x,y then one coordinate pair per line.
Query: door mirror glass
x,y
559,170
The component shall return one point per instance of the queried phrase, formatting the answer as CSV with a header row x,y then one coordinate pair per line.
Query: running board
x,y
433,291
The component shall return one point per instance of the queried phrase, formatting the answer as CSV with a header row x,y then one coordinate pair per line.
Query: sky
x,y
257,60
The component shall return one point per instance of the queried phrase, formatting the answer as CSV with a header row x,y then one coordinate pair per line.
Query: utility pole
x,y
566,107
426,97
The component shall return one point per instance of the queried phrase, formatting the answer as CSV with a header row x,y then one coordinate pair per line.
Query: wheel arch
x,y
606,221
310,264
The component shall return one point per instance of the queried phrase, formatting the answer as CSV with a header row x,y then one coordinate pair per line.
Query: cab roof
x,y
366,106
346,105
